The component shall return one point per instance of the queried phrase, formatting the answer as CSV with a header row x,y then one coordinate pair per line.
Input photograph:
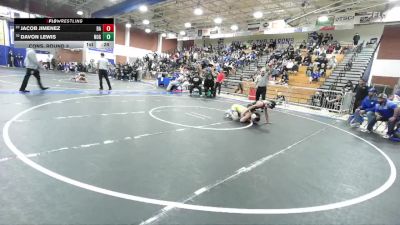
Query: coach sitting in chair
x,y
385,110
195,82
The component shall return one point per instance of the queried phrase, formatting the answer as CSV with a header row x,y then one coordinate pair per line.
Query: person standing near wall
x,y
356,39
102,67
10,59
32,68
361,91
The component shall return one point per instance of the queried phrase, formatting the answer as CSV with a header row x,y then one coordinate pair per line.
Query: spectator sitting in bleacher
x,y
316,74
332,62
316,99
326,39
349,87
280,98
320,38
385,110
295,68
303,45
367,105
285,77
309,73
298,59
334,103
289,64
307,60
290,51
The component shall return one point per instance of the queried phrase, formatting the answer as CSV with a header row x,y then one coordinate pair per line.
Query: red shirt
x,y
220,77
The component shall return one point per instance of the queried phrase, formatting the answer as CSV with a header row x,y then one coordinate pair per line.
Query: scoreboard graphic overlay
x,y
64,33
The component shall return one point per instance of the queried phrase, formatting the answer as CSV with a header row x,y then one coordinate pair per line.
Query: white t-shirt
x,y
31,61
103,64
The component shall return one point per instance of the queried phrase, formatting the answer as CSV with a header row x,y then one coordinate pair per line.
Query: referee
x,y
32,68
261,85
102,67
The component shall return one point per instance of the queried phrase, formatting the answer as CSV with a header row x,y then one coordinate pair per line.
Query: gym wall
x,y
386,66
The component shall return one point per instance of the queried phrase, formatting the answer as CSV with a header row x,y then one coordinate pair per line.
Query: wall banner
x,y
344,19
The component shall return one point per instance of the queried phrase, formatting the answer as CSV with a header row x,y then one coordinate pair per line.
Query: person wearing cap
x,y
367,105
385,110
261,85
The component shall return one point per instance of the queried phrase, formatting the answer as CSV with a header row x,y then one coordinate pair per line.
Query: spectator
x,y
348,87
332,62
280,98
361,91
367,105
385,110
356,39
326,39
320,38
307,60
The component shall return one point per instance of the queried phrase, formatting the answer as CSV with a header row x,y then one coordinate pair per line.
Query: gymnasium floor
x,y
137,155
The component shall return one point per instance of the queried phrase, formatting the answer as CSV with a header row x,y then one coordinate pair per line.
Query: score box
x,y
104,44
108,27
108,36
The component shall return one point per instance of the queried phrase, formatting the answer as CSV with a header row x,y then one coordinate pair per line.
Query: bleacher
x,y
343,73
299,89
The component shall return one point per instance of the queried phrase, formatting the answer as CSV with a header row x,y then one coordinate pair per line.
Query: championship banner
x,y
253,26
369,17
344,19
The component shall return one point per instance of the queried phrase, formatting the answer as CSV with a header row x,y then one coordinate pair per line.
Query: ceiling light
x,y
128,25
218,20
182,33
323,19
198,11
258,15
188,25
147,30
79,13
163,35
146,22
234,27
143,8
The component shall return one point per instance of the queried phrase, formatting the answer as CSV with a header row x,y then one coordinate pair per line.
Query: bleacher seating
x,y
339,77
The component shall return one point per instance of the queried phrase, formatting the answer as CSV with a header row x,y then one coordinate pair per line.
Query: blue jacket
x,y
368,104
386,110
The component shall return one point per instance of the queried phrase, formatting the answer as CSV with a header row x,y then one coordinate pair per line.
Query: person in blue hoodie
x,y
367,105
385,110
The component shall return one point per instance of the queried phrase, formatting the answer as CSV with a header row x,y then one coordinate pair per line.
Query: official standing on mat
x,y
32,68
261,85
102,67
